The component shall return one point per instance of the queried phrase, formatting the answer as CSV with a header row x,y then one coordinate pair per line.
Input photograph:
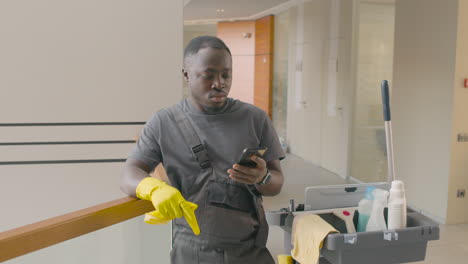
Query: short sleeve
x,y
147,148
269,138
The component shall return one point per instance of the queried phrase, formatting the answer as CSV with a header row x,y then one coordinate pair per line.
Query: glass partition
x,y
374,63
329,59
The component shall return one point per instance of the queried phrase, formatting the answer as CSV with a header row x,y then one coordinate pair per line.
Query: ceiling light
x,y
246,35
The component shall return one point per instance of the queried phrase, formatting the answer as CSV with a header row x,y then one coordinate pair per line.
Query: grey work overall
x,y
230,214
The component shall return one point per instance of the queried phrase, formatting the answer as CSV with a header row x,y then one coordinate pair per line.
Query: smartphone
x,y
245,159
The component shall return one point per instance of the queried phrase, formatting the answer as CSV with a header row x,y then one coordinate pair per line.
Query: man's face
x,y
208,74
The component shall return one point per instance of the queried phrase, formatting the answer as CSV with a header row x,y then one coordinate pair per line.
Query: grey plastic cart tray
x,y
378,247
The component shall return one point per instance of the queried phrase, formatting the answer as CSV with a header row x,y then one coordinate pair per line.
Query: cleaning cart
x,y
383,247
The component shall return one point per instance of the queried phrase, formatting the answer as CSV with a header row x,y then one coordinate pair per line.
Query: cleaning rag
x,y
308,233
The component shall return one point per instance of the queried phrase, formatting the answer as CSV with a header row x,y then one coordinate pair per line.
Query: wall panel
x,y
264,39
85,61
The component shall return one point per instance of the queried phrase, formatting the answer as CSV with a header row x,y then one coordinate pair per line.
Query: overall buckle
x,y
201,156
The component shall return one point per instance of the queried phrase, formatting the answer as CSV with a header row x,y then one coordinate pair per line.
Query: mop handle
x,y
385,101
388,130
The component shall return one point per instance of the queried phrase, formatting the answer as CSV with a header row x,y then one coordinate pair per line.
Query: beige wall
x,y
65,63
82,61
458,177
422,100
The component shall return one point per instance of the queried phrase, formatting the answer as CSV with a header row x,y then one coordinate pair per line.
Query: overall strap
x,y
190,136
199,152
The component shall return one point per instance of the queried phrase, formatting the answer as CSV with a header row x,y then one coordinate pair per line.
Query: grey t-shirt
x,y
224,135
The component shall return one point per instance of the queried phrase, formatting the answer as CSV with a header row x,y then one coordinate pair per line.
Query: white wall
x,y
422,98
458,178
82,61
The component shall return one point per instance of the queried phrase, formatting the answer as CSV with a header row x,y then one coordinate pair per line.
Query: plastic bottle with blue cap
x,y
365,209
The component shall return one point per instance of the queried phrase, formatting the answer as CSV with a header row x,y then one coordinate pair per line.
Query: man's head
x,y
208,71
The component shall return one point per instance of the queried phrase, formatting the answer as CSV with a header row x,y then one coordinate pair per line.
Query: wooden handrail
x,y
32,237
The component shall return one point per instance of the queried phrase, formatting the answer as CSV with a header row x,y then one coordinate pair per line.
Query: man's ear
x,y
185,73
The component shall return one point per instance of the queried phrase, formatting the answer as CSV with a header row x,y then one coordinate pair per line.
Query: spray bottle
x,y
377,218
365,209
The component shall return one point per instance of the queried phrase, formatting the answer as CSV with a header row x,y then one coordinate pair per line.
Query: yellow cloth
x,y
285,259
168,202
308,233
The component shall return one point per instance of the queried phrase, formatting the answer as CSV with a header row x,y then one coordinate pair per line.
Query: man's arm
x,y
255,175
167,201
133,173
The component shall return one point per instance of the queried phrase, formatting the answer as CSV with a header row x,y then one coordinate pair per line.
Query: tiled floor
x,y
452,248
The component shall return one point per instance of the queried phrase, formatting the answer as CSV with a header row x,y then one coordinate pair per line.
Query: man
x,y
215,203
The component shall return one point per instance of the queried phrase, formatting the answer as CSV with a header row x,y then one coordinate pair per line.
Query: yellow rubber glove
x,y
168,202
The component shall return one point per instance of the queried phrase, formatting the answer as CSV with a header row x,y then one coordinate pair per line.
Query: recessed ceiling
x,y
207,9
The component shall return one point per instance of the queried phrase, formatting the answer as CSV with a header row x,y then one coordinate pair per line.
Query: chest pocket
x,y
230,196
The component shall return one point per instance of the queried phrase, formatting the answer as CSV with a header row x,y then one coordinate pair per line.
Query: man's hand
x,y
249,175
168,202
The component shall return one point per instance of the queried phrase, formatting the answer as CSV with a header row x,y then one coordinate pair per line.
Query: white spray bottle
x,y
377,218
